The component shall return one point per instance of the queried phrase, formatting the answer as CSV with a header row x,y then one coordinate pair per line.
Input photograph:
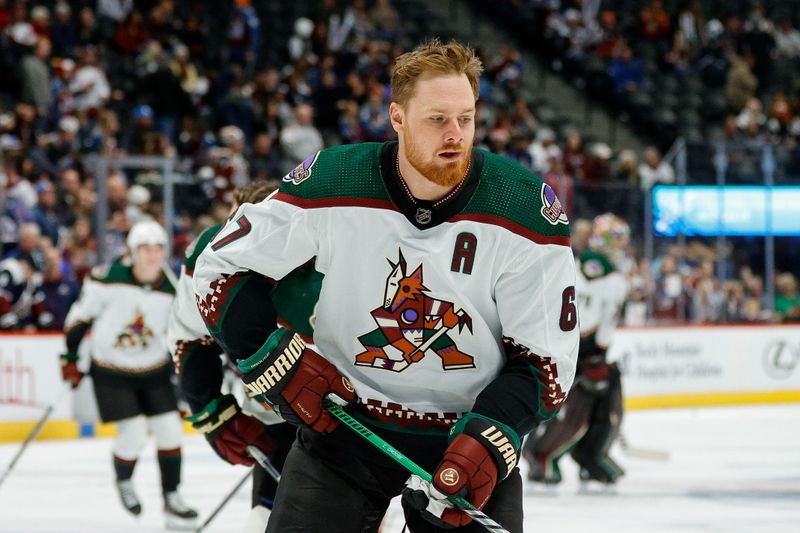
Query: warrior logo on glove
x,y
411,322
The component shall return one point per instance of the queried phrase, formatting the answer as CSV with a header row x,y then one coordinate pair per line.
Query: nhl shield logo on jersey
x,y
551,206
135,334
410,323
301,172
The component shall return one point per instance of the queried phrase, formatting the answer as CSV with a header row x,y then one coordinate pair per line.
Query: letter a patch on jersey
x,y
411,323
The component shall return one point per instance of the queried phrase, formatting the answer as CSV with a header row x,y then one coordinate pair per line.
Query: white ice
x,y
730,469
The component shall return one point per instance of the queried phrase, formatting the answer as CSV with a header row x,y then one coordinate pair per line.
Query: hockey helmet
x,y
146,232
610,234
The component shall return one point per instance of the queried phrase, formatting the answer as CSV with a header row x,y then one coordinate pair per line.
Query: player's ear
x,y
397,116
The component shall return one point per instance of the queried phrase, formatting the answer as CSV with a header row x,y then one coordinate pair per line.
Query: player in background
x,y
127,307
446,317
200,364
590,419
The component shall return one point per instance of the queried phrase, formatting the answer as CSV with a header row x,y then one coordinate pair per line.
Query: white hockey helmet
x,y
146,232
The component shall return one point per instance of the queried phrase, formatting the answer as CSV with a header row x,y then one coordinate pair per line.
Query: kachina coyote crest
x,y
410,323
136,333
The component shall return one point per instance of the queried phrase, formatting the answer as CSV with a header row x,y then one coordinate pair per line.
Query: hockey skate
x,y
128,497
178,515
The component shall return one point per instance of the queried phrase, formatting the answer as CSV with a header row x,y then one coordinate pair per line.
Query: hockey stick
x,y
264,462
641,453
222,504
35,431
473,512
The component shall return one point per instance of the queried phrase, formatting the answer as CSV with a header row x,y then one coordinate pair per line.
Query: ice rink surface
x,y
730,470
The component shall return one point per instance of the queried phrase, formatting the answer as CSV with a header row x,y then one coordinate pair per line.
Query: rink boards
x,y
662,367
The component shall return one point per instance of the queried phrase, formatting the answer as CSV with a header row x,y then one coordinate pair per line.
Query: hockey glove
x,y
230,432
294,380
69,369
481,451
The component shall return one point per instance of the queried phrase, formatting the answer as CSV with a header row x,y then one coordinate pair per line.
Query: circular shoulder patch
x,y
592,268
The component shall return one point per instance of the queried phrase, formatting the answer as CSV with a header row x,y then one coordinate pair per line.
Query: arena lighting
x,y
726,210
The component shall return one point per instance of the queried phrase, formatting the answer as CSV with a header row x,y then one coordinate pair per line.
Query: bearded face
x,y
436,127
444,166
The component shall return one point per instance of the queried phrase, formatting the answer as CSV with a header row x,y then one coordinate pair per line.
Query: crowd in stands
x,y
708,71
232,101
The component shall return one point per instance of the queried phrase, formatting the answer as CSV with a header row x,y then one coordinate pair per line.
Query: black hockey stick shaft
x,y
476,514
32,435
224,502
262,459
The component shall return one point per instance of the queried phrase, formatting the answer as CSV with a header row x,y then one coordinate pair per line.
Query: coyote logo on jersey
x,y
135,333
410,323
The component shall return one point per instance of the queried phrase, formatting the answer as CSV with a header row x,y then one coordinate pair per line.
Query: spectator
x,y
45,214
301,139
597,168
707,298
787,299
264,162
36,77
626,73
142,129
89,87
655,22
64,32
627,168
669,292
19,300
131,35
244,34
653,170
69,186
574,156
88,30
29,245
740,83
542,149
80,248
59,289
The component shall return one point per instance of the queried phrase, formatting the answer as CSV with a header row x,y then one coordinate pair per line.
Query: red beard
x,y
447,175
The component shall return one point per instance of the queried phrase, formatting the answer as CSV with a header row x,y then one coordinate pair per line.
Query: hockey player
x,y
229,428
589,421
126,309
446,317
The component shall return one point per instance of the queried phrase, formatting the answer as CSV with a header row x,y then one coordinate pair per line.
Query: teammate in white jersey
x,y
446,318
126,308
590,419
200,363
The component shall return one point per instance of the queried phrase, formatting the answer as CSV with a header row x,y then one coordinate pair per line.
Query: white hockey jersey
x,y
128,320
422,303
601,292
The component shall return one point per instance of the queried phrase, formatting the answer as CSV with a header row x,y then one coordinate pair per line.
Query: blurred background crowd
x,y
240,91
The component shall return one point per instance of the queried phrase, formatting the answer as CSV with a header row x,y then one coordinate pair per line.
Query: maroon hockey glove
x,y
482,452
69,369
230,432
294,380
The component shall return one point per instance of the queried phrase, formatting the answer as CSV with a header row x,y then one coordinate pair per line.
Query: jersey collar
x,y
424,214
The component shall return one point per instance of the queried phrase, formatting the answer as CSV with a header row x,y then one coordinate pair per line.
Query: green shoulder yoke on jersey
x,y
347,171
594,265
194,250
511,196
122,272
